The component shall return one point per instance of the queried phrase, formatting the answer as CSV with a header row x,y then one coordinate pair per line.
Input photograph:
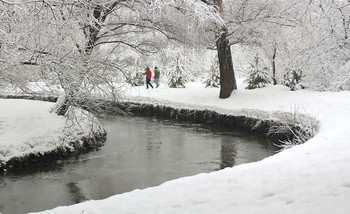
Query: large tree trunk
x,y
227,74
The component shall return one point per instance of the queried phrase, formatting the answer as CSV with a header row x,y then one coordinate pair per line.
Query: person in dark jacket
x,y
156,76
148,74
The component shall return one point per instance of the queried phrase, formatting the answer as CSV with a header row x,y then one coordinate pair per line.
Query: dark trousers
x,y
148,82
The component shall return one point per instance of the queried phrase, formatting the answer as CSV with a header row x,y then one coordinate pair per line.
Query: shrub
x,y
258,76
292,79
177,77
214,75
301,128
135,79
134,76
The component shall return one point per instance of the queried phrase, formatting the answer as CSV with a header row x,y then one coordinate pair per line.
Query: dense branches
x,y
77,40
92,41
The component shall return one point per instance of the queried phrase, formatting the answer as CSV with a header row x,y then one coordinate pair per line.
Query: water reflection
x,y
138,153
152,136
228,152
76,192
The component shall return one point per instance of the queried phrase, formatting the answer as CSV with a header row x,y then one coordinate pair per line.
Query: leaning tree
x,y
83,42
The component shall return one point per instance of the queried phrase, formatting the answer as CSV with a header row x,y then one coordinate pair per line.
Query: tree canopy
x,y
84,44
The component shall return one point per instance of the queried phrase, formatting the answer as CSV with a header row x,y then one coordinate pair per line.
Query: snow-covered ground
x,y
309,178
27,126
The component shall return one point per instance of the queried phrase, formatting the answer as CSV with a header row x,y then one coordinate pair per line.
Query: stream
x,y
139,152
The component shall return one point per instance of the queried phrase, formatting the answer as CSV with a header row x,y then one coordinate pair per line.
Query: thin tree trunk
x,y
344,24
274,66
68,99
227,74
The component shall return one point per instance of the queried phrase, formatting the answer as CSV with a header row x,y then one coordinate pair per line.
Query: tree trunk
x,y
227,74
345,24
61,105
65,101
274,66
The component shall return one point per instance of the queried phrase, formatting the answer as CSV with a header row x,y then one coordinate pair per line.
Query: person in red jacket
x,y
148,74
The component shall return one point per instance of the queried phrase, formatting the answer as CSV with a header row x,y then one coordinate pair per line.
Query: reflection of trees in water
x,y
152,136
77,195
228,152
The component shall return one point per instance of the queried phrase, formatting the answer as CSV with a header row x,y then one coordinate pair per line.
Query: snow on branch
x,y
196,11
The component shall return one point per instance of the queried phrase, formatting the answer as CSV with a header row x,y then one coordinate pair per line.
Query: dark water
x,y
139,153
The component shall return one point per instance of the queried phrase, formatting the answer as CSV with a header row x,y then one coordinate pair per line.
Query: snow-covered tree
x,y
90,38
307,35
258,76
177,74
292,79
227,76
243,20
214,75
82,44
133,75
328,49
318,43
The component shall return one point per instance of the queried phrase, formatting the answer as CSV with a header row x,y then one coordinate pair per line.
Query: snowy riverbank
x,y
29,132
310,178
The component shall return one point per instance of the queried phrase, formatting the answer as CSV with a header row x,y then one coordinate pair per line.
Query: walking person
x,y
148,74
156,76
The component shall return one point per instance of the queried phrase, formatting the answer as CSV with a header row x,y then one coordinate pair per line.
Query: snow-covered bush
x,y
133,76
214,75
292,79
344,82
177,76
301,128
258,76
329,80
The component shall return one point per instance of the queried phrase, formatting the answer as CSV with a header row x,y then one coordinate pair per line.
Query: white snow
x,y
309,178
27,126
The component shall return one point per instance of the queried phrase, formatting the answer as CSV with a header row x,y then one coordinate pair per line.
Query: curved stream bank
x,y
82,143
240,122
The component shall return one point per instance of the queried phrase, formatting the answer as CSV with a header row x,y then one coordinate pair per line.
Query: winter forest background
x,y
89,48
